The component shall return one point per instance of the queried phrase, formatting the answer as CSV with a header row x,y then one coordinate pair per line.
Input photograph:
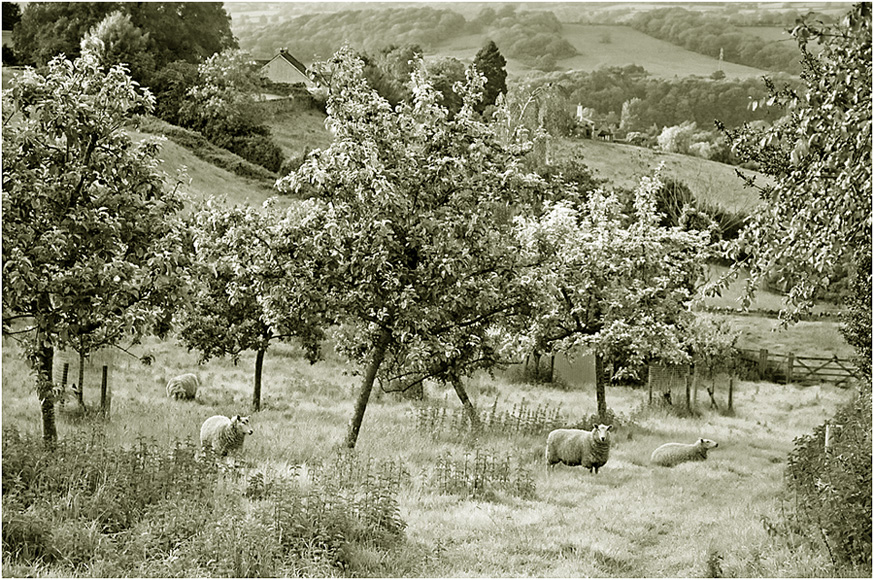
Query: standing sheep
x,y
671,454
590,449
183,387
223,434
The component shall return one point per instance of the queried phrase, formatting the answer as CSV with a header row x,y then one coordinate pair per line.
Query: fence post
x,y
688,393
763,362
790,363
649,382
104,392
828,436
730,393
696,378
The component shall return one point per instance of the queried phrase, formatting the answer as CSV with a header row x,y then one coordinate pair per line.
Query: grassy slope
x,y
202,179
631,520
624,165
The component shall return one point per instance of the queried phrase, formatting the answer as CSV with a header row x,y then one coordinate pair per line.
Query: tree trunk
x,y
366,386
45,392
80,396
469,409
256,393
600,393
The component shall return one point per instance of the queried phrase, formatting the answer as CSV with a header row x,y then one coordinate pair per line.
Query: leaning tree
x,y
90,246
416,231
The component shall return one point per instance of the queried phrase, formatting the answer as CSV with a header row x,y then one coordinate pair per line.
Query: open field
x,y
631,520
606,45
624,165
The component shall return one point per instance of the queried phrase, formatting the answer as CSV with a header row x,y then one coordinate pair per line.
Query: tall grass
x,y
421,495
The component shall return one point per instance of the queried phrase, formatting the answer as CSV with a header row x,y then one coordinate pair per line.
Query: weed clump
x,y
482,476
87,508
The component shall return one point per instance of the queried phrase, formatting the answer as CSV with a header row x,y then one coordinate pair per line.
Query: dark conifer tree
x,y
491,63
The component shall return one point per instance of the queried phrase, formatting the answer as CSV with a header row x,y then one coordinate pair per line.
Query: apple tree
x,y
619,285
91,248
417,233
243,297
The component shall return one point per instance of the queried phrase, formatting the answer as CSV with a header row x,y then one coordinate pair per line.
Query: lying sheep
x,y
223,434
183,387
671,454
577,447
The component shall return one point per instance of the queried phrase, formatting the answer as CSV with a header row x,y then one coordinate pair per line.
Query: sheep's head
x,y
599,433
241,424
707,443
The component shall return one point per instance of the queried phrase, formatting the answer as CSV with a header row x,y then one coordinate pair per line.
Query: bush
x,y
832,487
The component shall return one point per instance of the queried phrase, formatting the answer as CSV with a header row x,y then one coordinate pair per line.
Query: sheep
x,y
183,387
590,449
224,434
671,454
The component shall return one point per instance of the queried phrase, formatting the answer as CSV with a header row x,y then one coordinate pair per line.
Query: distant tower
x,y
720,59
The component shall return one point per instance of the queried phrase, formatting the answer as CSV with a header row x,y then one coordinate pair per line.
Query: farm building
x,y
284,68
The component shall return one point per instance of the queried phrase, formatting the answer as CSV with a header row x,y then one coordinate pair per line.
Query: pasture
x,y
631,520
609,45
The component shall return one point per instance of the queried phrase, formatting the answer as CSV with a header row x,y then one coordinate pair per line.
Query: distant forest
x,y
663,103
531,37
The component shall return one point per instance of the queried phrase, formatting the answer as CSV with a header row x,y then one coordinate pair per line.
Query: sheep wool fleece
x,y
671,454
183,387
224,434
591,449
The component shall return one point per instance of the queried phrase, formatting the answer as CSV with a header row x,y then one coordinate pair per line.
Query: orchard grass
x,y
631,519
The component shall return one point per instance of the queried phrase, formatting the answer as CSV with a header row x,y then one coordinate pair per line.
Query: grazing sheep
x,y
224,434
577,447
183,387
671,454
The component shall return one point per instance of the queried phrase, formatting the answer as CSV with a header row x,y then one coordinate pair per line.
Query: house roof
x,y
284,55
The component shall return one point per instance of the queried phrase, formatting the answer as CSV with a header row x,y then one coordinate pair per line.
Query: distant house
x,y
605,134
284,68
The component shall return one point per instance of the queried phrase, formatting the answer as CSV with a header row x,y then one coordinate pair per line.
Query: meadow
x,y
471,505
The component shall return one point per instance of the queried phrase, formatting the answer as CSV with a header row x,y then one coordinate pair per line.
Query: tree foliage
x,y
490,63
90,252
417,214
242,296
116,40
189,31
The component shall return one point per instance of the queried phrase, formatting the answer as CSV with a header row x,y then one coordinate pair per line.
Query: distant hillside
x,y
621,165
598,31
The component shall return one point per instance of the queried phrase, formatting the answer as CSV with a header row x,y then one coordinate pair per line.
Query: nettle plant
x,y
416,210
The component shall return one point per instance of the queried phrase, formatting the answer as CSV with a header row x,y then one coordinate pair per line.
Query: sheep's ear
x,y
235,419
608,427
